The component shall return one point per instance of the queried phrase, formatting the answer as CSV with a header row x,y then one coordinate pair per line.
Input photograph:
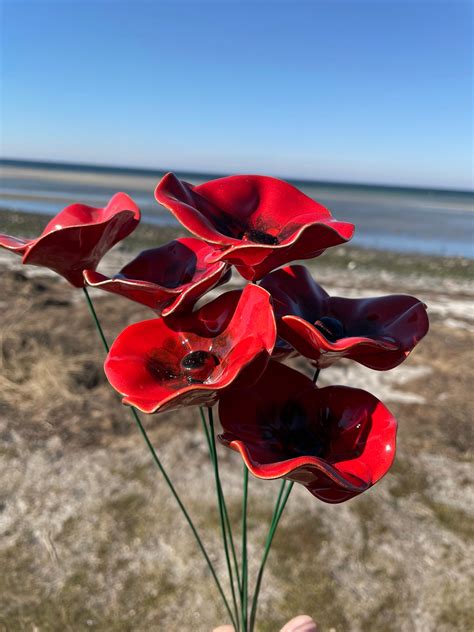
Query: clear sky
x,y
365,91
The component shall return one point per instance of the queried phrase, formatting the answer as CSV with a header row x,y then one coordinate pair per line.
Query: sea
x,y
401,219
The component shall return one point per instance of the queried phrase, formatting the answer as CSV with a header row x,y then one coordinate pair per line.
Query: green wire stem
x,y
240,577
161,467
244,590
279,507
213,454
221,503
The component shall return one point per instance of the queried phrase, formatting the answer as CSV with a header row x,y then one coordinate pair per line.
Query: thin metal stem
x,y
220,502
213,455
161,467
278,501
279,507
244,591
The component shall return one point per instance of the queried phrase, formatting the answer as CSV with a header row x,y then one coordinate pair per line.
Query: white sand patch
x,y
455,312
459,308
12,261
447,489
454,323
388,386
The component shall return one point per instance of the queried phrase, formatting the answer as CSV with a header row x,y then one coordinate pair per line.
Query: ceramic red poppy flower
x,y
162,364
376,332
336,441
78,237
167,279
259,222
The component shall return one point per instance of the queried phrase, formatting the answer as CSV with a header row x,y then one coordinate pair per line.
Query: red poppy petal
x,y
194,291
254,262
269,200
204,397
144,363
358,433
78,237
192,210
168,279
259,222
378,332
322,480
15,244
69,251
79,215
142,292
312,344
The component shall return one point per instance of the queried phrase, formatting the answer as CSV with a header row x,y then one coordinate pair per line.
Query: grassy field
x,y
90,539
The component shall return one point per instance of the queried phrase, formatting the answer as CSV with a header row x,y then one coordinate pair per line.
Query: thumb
x,y
301,623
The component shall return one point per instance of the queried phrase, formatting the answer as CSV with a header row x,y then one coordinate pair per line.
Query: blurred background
x,y
364,105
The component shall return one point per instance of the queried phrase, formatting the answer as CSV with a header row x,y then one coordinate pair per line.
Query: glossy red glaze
x,y
336,441
78,237
376,332
168,279
163,364
259,222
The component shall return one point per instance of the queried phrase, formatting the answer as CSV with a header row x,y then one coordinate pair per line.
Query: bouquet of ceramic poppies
x,y
231,351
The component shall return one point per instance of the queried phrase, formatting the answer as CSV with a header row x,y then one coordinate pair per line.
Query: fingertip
x,y
301,623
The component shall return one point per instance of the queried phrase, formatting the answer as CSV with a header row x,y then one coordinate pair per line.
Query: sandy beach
x,y
90,536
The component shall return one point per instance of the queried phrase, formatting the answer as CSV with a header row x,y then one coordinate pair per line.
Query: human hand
x,y
301,623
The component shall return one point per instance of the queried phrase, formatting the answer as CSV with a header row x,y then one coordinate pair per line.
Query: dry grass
x,y
90,536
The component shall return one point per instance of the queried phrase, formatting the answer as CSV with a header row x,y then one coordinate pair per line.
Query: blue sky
x,y
358,91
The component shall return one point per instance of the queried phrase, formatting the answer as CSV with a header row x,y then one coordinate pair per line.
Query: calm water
x,y
388,218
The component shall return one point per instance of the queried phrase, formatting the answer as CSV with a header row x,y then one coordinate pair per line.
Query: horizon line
x,y
215,175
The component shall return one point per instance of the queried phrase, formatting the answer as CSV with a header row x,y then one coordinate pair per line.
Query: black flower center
x,y
260,237
295,434
198,366
161,371
331,328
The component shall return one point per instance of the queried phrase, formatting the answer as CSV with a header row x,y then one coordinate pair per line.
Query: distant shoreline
x,y
403,220
156,172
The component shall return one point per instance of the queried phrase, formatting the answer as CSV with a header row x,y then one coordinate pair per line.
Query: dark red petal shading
x,y
78,237
145,362
354,433
378,332
168,279
259,222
